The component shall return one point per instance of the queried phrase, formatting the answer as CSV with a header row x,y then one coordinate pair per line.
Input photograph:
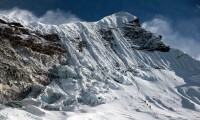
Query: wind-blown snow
x,y
104,82
50,17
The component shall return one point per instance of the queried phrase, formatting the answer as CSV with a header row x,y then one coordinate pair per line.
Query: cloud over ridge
x,y
173,37
55,17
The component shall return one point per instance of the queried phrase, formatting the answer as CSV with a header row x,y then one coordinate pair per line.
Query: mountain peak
x,y
114,62
129,27
117,19
124,14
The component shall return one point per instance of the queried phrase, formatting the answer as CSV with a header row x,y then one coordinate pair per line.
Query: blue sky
x,y
177,20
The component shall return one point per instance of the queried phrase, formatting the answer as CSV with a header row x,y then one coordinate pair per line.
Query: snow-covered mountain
x,y
109,69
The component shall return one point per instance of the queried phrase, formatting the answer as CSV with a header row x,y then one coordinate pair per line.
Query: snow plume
x,y
55,17
173,37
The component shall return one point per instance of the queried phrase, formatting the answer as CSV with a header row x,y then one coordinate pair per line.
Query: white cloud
x,y
58,17
198,57
173,37
55,17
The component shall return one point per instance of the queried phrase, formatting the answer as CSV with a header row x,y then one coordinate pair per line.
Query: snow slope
x,y
108,77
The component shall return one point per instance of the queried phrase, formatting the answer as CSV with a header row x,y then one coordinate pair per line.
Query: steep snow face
x,y
115,70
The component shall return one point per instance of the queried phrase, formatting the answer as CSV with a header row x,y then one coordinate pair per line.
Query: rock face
x,y
142,39
26,59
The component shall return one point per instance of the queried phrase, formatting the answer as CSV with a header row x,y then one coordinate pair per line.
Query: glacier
x,y
114,69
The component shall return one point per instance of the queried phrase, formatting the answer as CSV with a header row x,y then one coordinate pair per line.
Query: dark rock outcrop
x,y
141,39
26,59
